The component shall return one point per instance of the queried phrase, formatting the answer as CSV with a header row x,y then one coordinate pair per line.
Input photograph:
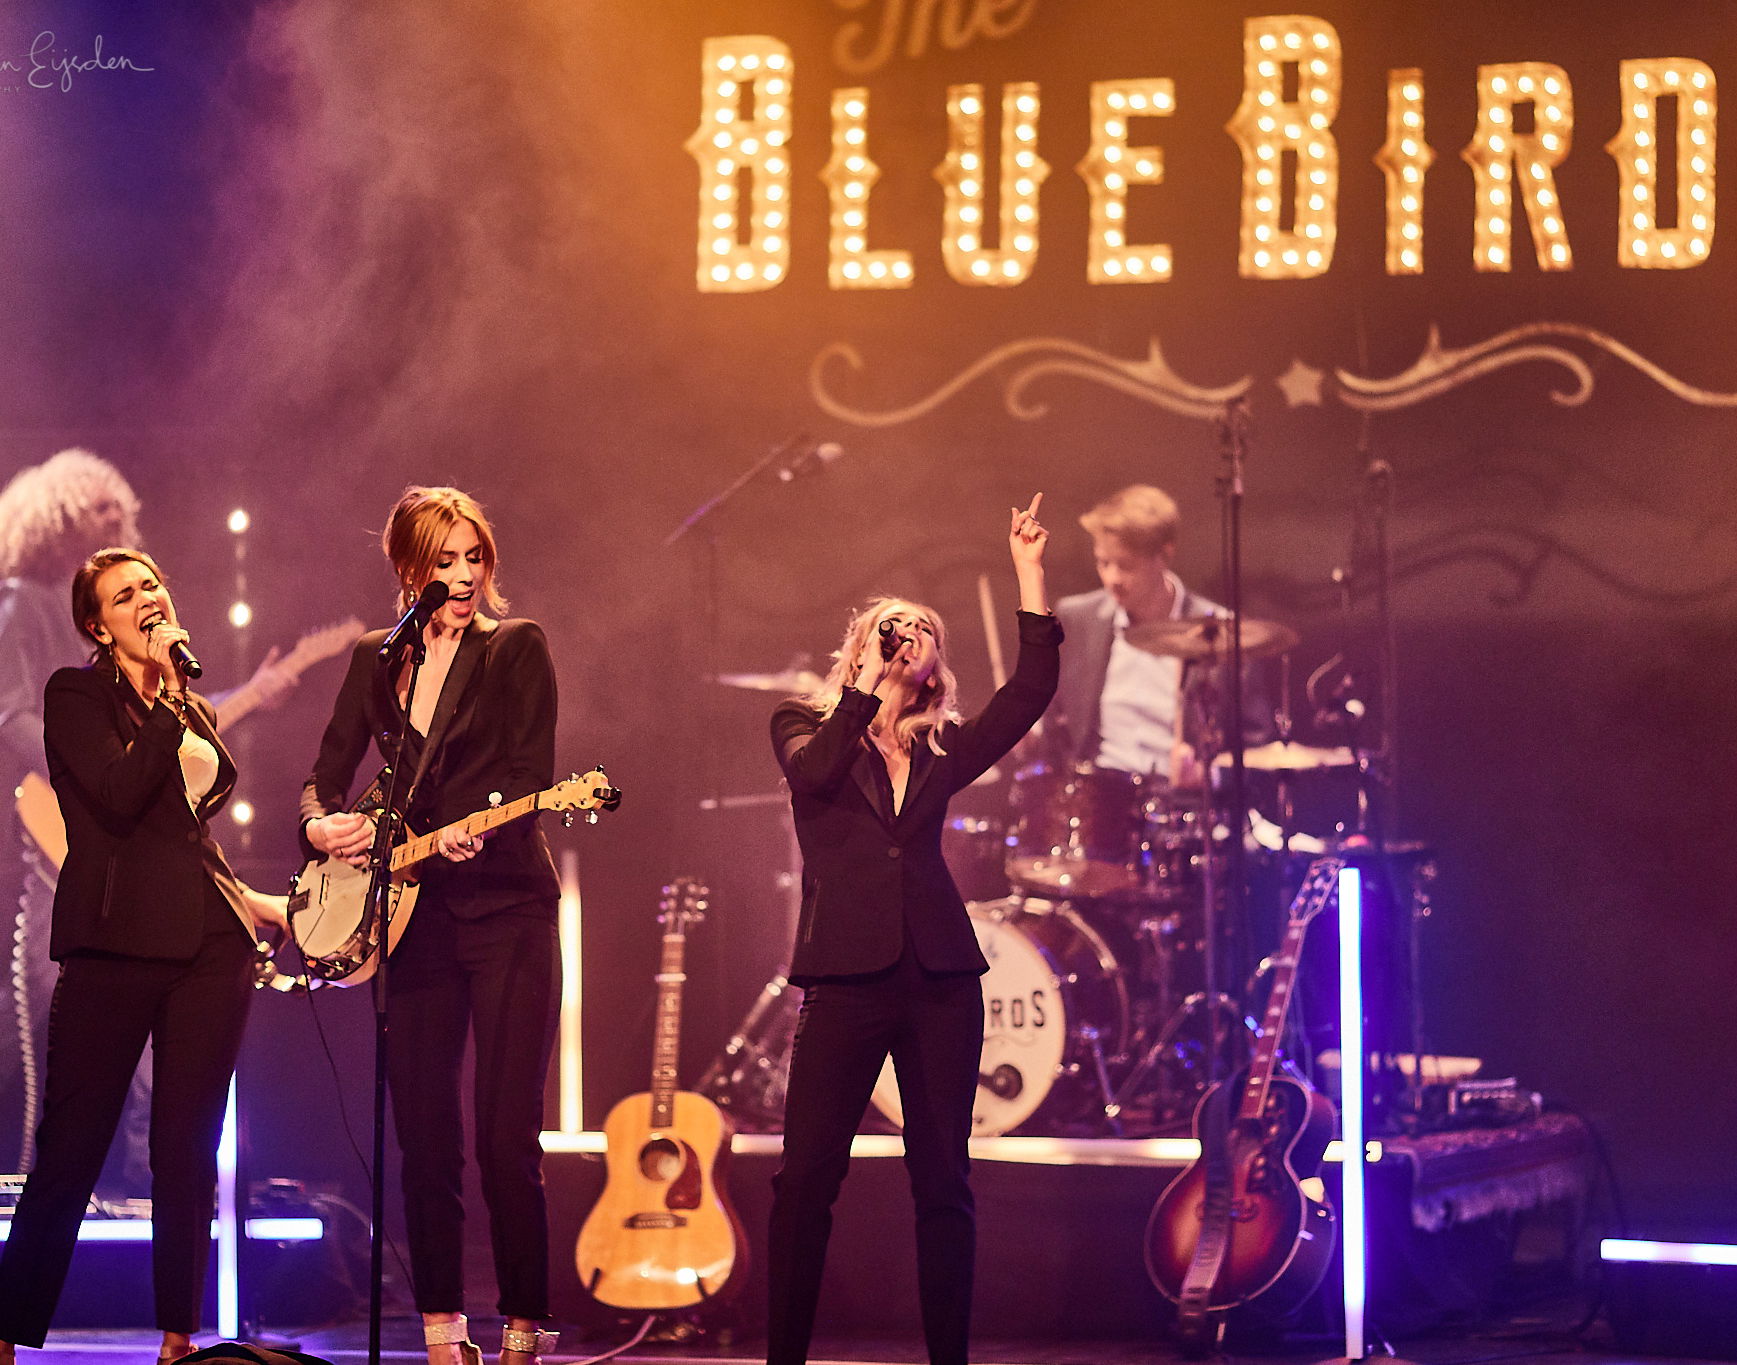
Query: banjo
x,y
328,903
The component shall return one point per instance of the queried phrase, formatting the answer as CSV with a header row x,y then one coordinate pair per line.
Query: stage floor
x,y
348,1344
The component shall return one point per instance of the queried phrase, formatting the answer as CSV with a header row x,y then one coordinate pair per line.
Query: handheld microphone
x,y
410,625
890,641
182,657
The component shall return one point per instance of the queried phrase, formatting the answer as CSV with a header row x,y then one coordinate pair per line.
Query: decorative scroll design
x,y
1437,370
1440,369
1150,380
1518,556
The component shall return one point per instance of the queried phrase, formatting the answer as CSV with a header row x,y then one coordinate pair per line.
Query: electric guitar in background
x,y
39,811
1236,1229
662,1235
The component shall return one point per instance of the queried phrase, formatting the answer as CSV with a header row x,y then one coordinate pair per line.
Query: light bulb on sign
x,y
1640,242
1106,171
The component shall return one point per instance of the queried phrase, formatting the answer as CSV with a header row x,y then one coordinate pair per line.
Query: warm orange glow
x,y
738,73
850,175
1404,159
1110,168
1640,242
1266,126
965,175
1510,166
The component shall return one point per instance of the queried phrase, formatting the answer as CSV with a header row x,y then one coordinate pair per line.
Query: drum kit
x,y
1089,895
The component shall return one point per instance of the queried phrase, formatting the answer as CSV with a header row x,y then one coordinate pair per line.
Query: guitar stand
x,y
1156,1056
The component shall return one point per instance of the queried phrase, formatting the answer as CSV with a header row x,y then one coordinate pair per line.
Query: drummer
x,y
1119,706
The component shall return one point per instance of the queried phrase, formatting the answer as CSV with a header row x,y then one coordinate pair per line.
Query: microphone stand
x,y
718,499
1380,784
1233,443
775,455
379,926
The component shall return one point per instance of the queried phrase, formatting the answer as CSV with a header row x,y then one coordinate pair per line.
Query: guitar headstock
x,y
590,793
1320,886
324,643
684,901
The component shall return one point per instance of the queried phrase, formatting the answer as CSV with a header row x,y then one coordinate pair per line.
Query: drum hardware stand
x,y
1214,1007
1106,1093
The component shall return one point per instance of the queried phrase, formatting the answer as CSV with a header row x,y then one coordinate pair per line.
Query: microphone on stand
x,y
410,625
182,657
808,457
1340,704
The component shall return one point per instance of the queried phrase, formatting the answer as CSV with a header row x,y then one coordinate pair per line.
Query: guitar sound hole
x,y
660,1160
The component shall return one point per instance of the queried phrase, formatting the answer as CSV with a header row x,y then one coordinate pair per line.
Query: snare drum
x,y
1055,1004
1176,850
1077,831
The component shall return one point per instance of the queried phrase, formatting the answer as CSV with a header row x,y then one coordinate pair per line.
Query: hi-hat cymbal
x,y
1208,637
792,681
1280,757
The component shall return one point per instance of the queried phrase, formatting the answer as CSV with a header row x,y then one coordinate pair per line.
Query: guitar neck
x,y
666,1043
304,654
413,851
1317,889
1265,1059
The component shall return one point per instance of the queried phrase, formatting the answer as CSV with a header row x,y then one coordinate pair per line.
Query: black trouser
x,y
499,976
104,1009
933,1028
30,982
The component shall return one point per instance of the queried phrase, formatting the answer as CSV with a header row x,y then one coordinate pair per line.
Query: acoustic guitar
x,y
328,904
1236,1229
662,1235
39,811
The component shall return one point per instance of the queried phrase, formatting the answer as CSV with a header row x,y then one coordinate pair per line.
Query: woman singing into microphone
x,y
479,956
884,947
155,940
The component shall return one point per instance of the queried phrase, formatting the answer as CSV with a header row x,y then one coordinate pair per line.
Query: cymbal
x,y
1207,637
791,681
1279,757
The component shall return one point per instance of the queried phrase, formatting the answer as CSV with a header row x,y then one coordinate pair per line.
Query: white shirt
x,y
198,775
1137,713
198,766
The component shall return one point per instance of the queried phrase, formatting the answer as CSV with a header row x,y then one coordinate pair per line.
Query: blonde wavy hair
x,y
935,705
45,505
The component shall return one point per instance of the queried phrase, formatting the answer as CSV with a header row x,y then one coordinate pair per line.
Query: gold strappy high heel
x,y
530,1345
455,1334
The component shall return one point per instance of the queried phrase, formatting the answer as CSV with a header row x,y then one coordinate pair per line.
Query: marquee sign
x,y
1283,129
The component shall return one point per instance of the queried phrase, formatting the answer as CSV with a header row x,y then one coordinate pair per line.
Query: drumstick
x,y
986,601
997,664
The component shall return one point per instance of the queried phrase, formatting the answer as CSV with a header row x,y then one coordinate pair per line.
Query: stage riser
x,y
285,1285
1683,1310
1060,1253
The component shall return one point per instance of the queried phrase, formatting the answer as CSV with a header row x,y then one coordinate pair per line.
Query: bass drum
x,y
1055,1007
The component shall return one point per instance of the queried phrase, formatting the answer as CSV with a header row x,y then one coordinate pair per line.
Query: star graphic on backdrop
x,y
1301,385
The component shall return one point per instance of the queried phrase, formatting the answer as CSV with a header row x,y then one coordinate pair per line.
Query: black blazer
x,y
870,879
138,860
500,695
